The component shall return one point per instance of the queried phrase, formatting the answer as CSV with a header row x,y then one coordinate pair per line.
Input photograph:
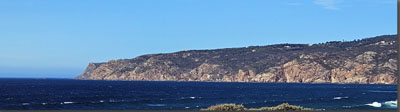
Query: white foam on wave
x,y
375,104
67,102
392,104
386,104
338,98
192,97
25,103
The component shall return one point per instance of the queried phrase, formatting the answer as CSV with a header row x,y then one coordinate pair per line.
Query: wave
x,y
392,104
384,91
192,97
388,104
375,104
347,106
115,101
338,98
67,102
106,101
156,105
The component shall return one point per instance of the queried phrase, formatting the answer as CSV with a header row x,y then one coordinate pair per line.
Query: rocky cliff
x,y
367,61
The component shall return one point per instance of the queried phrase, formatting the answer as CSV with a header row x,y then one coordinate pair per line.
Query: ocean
x,y
70,94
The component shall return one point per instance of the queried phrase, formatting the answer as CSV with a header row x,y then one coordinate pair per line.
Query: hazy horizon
x,y
57,39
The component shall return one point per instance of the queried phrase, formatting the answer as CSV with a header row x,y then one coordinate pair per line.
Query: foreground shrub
x,y
226,107
284,107
234,107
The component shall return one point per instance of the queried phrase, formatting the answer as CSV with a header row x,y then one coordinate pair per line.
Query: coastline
x,y
196,81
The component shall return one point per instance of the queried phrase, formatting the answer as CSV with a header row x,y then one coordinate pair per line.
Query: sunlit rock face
x,y
366,61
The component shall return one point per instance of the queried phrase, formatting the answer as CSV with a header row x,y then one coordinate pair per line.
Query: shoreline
x,y
200,81
238,82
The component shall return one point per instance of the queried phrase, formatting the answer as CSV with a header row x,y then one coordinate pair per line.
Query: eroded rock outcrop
x,y
366,61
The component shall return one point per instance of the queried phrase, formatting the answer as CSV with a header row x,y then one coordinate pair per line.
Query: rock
x,y
362,62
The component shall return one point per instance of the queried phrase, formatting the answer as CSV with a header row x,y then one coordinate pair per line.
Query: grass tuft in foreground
x,y
234,107
226,107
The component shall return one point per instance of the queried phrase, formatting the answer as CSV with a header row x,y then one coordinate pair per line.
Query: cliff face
x,y
366,61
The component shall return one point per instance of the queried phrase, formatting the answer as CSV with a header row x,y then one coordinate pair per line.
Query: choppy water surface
x,y
66,94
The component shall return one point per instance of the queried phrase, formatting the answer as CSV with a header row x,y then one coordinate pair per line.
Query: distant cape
x,y
365,61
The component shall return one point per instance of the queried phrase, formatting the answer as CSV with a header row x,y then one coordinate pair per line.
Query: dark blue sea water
x,y
67,94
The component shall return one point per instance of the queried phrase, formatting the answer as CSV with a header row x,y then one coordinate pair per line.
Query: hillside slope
x,y
367,61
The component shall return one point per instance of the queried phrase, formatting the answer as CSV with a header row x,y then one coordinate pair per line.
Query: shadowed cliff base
x,y
366,61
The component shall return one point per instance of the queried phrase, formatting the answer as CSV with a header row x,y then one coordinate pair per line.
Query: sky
x,y
58,38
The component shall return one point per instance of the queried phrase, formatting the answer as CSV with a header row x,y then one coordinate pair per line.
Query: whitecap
x,y
192,97
67,102
391,103
44,103
101,101
338,98
375,104
187,107
25,103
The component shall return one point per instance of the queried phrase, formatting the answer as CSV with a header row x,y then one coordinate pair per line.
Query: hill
x,y
366,61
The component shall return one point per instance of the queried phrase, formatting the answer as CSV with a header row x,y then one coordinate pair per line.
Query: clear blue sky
x,y
58,38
